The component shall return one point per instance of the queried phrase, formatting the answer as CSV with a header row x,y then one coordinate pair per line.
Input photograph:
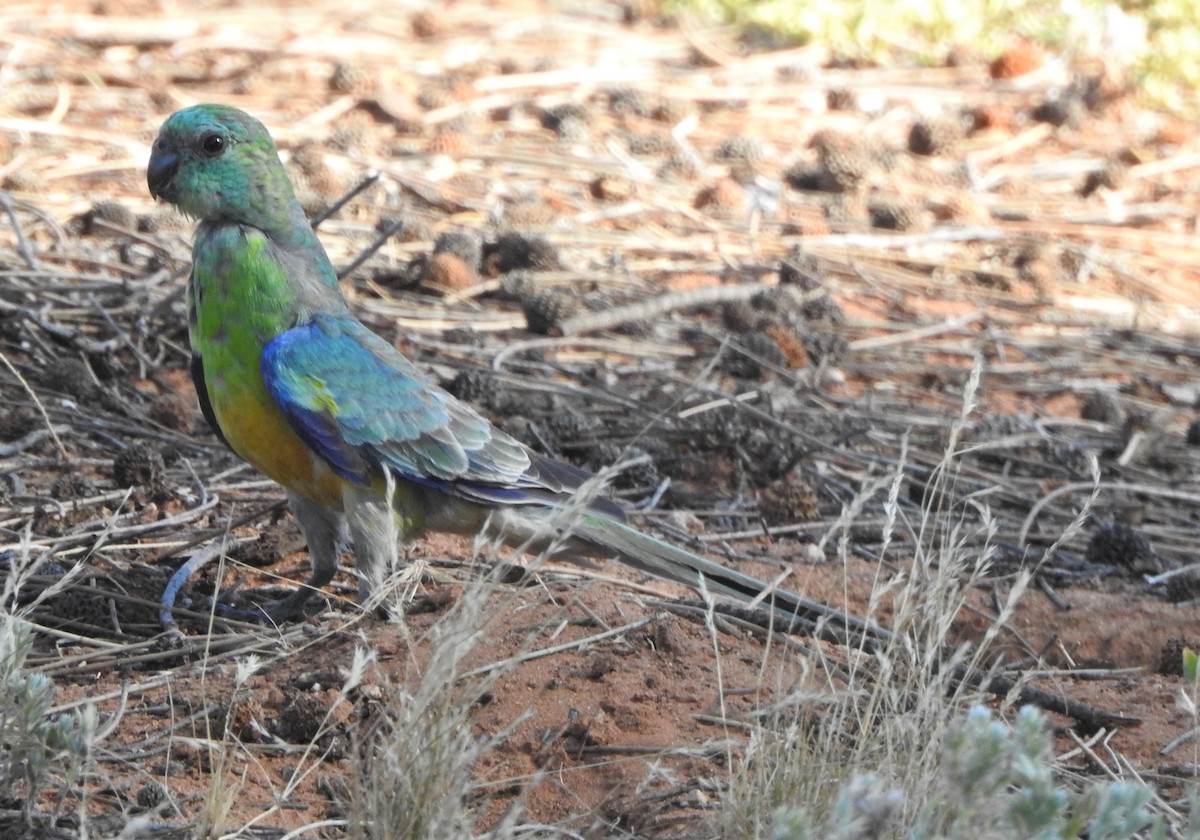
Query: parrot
x,y
359,437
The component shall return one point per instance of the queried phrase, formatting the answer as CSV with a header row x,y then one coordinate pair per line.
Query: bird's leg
x,y
373,526
323,530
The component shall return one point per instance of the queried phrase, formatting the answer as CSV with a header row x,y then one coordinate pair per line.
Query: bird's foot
x,y
294,607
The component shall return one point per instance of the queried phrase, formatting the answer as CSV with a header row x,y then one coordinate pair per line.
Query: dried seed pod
x,y
935,137
72,485
139,465
892,215
739,149
350,78
722,198
1184,587
1117,544
514,251
113,212
789,501
844,161
71,377
545,310
757,355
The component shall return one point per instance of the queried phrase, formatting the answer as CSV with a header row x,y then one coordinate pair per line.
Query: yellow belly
x,y
258,431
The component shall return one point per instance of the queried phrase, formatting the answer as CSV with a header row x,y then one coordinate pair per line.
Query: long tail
x,y
653,556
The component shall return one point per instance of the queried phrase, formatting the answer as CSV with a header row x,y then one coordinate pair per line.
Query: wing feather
x,y
361,405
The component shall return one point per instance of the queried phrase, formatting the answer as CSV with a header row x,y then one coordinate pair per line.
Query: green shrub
x,y
994,782
35,746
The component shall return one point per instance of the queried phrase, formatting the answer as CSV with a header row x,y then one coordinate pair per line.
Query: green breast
x,y
239,299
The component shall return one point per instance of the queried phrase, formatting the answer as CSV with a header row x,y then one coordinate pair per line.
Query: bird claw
x,y
296,606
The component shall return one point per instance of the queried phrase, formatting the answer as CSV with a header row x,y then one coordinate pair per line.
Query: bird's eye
x,y
213,144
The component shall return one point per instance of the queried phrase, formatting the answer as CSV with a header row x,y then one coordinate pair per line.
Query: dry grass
x,y
669,184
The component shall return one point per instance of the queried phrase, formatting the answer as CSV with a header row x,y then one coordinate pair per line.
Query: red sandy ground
x,y
595,733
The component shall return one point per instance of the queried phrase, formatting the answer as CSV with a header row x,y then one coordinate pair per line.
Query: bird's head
x,y
216,163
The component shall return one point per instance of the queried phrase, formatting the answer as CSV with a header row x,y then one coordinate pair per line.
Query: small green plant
x,y
1188,698
35,746
877,30
994,781
1157,41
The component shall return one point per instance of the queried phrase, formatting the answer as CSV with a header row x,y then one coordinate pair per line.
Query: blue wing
x,y
363,407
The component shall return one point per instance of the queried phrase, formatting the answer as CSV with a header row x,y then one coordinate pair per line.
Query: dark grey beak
x,y
164,163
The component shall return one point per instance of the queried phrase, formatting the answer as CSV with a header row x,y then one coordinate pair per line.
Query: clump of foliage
x,y
994,781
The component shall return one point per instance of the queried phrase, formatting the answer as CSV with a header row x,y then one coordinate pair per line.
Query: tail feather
x,y
663,560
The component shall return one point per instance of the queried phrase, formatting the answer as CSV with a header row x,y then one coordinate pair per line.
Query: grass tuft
x,y
412,763
890,743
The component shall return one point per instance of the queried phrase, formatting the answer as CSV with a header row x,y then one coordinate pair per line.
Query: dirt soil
x,y
762,274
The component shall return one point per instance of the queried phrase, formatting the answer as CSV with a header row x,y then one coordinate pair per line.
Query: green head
x,y
219,164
